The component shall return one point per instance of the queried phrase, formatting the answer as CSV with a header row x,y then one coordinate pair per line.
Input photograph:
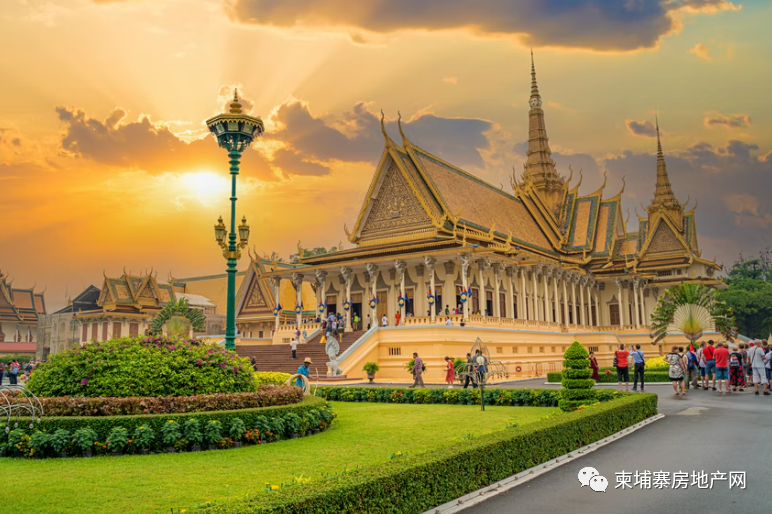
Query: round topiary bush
x,y
576,381
144,366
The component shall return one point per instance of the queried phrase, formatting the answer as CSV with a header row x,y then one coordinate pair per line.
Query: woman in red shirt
x,y
623,372
450,372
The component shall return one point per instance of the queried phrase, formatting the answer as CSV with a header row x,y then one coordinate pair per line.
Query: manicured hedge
x,y
104,424
143,366
532,397
270,377
417,483
265,396
611,378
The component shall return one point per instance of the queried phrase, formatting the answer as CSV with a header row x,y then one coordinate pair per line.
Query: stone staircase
x,y
278,357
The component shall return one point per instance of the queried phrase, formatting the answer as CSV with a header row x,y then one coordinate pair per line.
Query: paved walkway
x,y
702,431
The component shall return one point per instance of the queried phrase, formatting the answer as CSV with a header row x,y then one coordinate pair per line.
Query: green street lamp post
x,y
234,131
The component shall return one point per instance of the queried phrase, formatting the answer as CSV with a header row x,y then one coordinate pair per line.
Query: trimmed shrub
x,y
418,483
530,397
146,366
270,377
611,378
265,396
576,391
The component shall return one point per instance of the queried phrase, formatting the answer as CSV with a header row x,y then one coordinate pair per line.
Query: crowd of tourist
x,y
15,371
723,367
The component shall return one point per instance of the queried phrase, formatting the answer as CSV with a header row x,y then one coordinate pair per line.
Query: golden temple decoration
x,y
349,235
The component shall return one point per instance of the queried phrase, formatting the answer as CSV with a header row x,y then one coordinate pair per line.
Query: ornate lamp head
x,y
235,130
243,232
220,232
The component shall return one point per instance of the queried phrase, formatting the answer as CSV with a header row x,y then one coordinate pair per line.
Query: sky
x,y
105,162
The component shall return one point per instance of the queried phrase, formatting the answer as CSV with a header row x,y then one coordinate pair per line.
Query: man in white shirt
x,y
756,358
294,348
384,321
449,322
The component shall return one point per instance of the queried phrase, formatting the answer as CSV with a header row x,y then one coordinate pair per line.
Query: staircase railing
x,y
356,344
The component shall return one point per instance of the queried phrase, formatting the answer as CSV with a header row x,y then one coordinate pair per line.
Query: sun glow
x,y
205,186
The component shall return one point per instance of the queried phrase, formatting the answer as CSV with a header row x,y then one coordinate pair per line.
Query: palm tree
x,y
691,309
179,308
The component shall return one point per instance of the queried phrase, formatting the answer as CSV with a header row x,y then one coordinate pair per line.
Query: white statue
x,y
331,348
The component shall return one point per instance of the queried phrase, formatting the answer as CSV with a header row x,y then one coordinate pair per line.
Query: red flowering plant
x,y
608,372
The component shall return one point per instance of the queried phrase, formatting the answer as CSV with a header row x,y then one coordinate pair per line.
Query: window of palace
x,y
395,350
133,329
541,349
84,336
499,349
530,349
593,349
515,349
664,273
117,329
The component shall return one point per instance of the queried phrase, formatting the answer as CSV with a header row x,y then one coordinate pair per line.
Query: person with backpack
x,y
639,364
736,373
13,372
692,368
676,372
756,360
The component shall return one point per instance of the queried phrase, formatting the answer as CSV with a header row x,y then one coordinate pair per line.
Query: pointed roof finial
x,y
663,192
534,86
659,143
383,126
399,124
235,105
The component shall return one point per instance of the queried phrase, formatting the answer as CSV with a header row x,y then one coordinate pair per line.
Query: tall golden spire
x,y
540,168
663,192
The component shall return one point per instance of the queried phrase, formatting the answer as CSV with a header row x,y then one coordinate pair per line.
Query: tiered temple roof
x,y
22,306
418,202
134,294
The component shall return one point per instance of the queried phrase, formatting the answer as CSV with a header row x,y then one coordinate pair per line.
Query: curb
x,y
502,486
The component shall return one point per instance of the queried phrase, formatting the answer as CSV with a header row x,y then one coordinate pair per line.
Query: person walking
x,y
710,364
418,370
638,367
356,321
756,359
676,372
447,310
2,372
702,364
294,348
450,372
692,369
385,321
594,367
469,372
721,355
369,322
736,373
620,362
397,317
253,362
747,372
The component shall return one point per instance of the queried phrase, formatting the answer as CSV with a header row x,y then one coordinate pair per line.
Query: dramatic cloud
x,y
733,121
641,128
593,24
144,145
701,51
357,136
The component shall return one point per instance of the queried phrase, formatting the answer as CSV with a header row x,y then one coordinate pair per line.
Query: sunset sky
x,y
104,163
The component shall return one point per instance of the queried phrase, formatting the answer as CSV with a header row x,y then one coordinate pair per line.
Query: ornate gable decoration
x,y
395,206
664,240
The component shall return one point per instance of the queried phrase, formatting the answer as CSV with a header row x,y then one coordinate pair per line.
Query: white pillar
x,y
644,315
598,310
483,265
497,289
511,296
637,316
547,308
573,299
582,310
466,261
523,296
297,280
372,271
535,295
401,267
621,304
589,304
429,263
321,288
347,275
563,276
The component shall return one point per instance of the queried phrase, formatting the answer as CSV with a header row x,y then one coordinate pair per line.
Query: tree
x,y
749,294
319,250
181,308
691,309
576,381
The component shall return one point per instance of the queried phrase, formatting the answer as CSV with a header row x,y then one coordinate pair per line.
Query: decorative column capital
x,y
274,281
429,262
346,273
499,268
320,276
297,279
372,271
400,266
450,267
466,261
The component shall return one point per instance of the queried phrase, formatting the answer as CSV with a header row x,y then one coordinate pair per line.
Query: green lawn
x,y
363,433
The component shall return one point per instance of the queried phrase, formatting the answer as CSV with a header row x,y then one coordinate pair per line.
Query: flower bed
x,y
529,397
611,376
417,483
144,366
265,396
74,436
270,377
